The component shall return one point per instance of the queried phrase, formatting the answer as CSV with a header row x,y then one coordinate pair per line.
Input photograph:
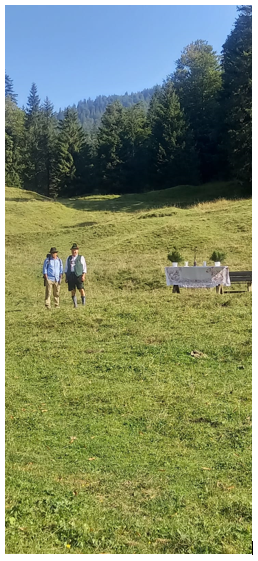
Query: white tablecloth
x,y
197,277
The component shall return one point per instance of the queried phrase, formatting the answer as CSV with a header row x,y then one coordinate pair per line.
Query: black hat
x,y
53,250
75,246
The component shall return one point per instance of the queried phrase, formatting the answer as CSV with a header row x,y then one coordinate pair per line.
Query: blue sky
x,y
76,52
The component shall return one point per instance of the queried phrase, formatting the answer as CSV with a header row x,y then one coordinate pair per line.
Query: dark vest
x,y
78,268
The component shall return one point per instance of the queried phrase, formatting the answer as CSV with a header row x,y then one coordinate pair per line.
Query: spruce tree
x,y
14,141
236,98
33,103
33,173
70,144
173,160
109,146
197,81
9,91
85,173
133,153
47,146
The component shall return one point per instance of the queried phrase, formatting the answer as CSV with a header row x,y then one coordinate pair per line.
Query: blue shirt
x,y
53,268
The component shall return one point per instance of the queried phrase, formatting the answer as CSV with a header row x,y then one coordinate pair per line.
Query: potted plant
x,y
175,257
217,257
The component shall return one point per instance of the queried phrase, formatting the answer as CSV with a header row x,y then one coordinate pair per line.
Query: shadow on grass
x,y
183,196
81,225
37,197
18,200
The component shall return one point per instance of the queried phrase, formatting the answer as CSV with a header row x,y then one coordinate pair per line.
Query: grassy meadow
x,y
117,439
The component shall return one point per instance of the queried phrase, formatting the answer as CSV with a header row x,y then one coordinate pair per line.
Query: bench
x,y
237,277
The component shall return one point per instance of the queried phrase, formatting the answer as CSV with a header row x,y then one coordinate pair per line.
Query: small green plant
x,y
218,256
175,256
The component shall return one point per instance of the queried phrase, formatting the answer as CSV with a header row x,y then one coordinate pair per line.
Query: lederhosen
x,y
75,277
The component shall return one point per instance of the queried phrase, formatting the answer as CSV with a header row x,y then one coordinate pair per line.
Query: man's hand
x,y
66,279
83,277
45,277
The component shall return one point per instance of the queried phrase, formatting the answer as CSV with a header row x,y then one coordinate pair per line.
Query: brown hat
x,y
53,250
75,246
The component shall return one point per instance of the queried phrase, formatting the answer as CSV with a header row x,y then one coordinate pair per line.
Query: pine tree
x,y
236,96
197,80
173,160
9,92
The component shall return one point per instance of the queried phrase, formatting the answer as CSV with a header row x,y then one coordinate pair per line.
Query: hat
x,y
53,250
75,246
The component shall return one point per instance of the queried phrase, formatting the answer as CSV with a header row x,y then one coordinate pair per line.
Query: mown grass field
x,y
118,440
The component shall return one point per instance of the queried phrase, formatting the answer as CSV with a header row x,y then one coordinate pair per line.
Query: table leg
x,y
219,289
249,287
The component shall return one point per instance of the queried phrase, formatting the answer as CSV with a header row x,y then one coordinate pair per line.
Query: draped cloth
x,y
197,277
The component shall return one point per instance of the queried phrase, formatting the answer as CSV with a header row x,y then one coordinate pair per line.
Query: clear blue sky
x,y
76,52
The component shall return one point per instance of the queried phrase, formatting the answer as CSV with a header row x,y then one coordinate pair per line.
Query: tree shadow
x,y
38,198
81,225
19,200
183,196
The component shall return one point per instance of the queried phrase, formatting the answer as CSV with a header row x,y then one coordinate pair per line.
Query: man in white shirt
x,y
75,271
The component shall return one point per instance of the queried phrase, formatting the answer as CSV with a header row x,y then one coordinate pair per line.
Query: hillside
x,y
90,110
118,440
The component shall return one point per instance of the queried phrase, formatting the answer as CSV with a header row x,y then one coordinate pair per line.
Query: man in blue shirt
x,y
52,273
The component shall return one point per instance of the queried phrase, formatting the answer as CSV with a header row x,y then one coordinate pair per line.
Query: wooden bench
x,y
237,277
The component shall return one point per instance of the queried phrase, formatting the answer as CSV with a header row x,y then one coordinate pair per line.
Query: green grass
x,y
118,440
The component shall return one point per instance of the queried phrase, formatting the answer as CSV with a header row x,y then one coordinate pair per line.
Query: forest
x,y
194,128
90,111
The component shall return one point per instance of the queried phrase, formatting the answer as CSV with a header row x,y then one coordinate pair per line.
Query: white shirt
x,y
83,262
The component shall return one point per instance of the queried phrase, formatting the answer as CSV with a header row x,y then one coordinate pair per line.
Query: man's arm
x,y
84,268
66,269
45,268
61,270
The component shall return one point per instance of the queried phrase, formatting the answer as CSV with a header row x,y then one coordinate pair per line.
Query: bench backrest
x,y
240,276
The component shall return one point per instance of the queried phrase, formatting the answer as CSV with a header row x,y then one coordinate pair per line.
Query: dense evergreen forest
x,y
194,128
90,111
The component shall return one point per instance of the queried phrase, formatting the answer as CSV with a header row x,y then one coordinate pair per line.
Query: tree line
x,y
196,127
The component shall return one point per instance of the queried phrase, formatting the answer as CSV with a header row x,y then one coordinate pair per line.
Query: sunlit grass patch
x,y
119,440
